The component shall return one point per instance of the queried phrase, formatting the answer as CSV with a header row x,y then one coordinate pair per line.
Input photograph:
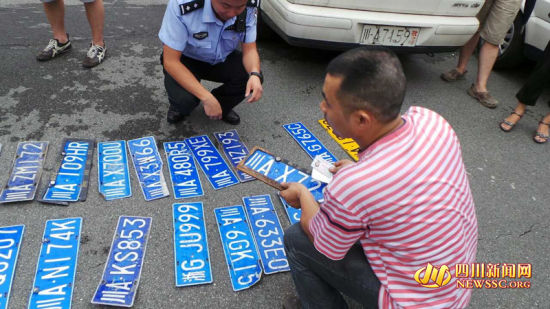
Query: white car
x,y
406,25
528,35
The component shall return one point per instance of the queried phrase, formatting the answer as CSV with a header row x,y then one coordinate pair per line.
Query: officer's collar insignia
x,y
200,35
193,5
253,3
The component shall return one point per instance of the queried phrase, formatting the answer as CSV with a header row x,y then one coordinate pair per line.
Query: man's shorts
x,y
83,1
495,18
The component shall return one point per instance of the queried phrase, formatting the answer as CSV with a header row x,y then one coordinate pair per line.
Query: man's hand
x,y
254,89
339,165
212,107
292,192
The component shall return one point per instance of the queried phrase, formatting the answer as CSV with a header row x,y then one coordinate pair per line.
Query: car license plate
x,y
348,144
148,166
240,252
234,150
273,171
56,268
183,171
113,174
191,257
292,213
308,141
211,162
120,281
25,173
10,243
73,172
267,232
389,35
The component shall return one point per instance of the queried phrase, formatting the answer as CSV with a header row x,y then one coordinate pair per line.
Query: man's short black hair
x,y
372,80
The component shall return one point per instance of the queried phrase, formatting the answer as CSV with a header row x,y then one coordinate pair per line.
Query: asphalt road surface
x,y
124,98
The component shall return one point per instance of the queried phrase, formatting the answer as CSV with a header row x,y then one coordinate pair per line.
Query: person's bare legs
x,y
487,57
95,12
513,117
466,52
55,12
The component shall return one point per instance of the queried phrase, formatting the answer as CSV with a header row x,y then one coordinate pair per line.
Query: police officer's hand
x,y
254,89
212,107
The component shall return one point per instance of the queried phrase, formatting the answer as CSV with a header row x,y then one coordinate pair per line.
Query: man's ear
x,y
363,119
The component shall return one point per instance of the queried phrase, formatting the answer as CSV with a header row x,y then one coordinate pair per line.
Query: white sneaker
x,y
53,50
95,55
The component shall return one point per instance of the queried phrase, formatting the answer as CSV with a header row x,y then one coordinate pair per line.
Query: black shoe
x,y
174,116
232,118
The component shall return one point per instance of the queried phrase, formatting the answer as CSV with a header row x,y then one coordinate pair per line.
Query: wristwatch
x,y
260,76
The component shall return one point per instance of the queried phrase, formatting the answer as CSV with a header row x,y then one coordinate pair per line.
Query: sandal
x,y
510,124
543,137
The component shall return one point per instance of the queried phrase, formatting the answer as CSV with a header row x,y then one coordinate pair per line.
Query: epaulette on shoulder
x,y
193,5
253,3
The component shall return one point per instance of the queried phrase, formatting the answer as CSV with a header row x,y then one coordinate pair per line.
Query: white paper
x,y
321,170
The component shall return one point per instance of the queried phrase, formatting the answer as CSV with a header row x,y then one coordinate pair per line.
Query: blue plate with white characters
x,y
191,257
267,232
239,248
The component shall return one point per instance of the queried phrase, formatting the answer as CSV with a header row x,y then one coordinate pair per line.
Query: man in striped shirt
x,y
399,219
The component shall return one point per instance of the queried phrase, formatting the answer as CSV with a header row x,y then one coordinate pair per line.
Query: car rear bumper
x,y
330,28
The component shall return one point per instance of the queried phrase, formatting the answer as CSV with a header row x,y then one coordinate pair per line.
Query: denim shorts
x,y
495,18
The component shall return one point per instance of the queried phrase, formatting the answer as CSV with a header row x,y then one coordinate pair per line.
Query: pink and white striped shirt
x,y
409,203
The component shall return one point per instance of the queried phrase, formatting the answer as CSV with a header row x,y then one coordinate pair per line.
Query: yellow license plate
x,y
348,144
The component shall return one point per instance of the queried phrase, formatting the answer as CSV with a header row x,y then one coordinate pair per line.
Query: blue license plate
x,y
148,166
268,233
183,171
308,141
191,257
234,150
73,171
120,281
211,162
113,173
272,169
25,173
292,213
56,268
10,243
240,252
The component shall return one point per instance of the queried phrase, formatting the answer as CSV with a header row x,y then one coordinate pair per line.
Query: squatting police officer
x,y
200,42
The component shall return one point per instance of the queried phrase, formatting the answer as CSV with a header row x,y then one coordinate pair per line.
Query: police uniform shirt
x,y
200,35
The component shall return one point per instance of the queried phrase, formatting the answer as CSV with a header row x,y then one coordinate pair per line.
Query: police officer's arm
x,y
251,62
187,80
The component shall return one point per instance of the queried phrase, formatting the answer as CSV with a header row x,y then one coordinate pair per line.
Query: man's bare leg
x,y
95,12
466,52
487,57
55,12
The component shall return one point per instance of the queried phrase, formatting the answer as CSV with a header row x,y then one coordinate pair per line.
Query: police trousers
x,y
320,281
231,73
